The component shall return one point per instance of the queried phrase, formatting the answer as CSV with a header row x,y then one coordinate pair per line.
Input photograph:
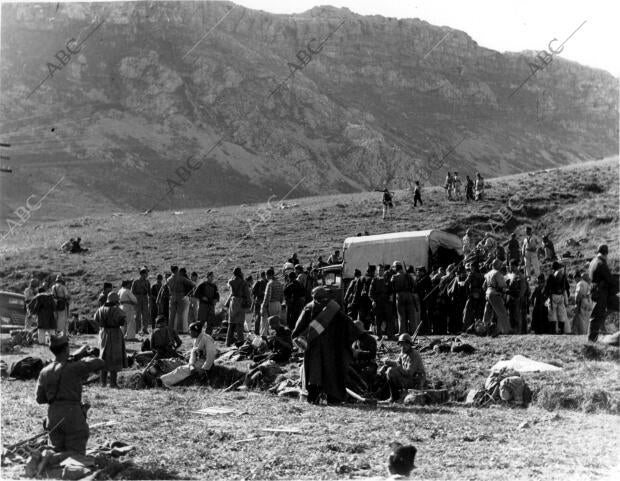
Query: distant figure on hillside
x,y
479,187
449,186
469,189
141,289
387,203
76,248
468,243
417,194
457,183
549,249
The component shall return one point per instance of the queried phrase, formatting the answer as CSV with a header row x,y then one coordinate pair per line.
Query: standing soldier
x,y
604,292
378,293
448,185
60,386
456,182
208,296
469,189
351,296
258,294
111,342
295,295
272,302
474,307
29,294
531,244
514,251
237,303
417,194
62,298
402,286
387,203
43,307
479,187
141,288
153,300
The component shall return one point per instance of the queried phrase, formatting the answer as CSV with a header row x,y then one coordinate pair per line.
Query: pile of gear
x,y
503,386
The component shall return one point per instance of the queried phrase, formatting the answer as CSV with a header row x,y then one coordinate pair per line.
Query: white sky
x,y
503,25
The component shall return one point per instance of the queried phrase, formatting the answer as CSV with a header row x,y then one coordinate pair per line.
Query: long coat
x,y
111,339
327,358
44,307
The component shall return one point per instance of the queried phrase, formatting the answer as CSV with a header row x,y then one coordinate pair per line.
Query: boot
x,y
113,375
104,378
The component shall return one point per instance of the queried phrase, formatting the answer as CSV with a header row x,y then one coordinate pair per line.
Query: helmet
x,y
405,338
113,298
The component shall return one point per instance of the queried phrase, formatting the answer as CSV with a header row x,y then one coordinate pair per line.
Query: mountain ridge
x,y
381,97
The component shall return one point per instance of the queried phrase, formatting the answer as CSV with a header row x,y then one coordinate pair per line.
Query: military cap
x,y
319,292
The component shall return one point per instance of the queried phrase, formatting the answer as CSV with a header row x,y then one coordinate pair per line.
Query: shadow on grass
x,y
113,469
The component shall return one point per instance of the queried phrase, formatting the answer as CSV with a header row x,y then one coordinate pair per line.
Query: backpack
x,y
26,368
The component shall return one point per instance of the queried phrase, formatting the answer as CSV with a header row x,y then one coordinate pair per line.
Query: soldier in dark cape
x,y
326,335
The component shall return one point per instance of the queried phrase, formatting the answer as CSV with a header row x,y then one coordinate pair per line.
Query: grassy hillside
x,y
575,202
578,441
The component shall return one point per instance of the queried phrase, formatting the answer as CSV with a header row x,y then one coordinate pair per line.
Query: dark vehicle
x,y
12,311
331,279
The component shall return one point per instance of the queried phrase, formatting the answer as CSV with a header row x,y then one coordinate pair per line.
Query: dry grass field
x,y
571,431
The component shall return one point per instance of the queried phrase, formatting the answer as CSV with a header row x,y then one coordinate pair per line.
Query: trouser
x,y
44,334
104,378
176,376
193,310
365,312
381,317
293,310
129,328
72,432
557,311
398,380
154,310
474,308
494,310
532,266
273,309
406,312
61,322
598,315
234,330
236,320
514,313
206,316
416,199
143,314
256,316
179,308
386,211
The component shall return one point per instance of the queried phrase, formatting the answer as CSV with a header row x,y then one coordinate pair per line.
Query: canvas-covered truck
x,y
416,248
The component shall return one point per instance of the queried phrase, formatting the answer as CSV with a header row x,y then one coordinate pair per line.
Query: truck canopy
x,y
413,248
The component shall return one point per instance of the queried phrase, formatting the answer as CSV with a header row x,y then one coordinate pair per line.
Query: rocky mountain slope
x,y
143,95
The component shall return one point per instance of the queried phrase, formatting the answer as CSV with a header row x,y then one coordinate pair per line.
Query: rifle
x,y
12,447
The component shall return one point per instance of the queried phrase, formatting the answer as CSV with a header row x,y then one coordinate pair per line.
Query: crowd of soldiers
x,y
474,189
336,342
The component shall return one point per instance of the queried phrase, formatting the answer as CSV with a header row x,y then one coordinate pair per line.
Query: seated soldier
x,y
280,343
364,356
164,341
407,372
201,357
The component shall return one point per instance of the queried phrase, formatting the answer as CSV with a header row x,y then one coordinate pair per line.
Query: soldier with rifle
x,y
60,386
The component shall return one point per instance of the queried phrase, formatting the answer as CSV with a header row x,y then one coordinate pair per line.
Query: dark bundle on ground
x,y
600,352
